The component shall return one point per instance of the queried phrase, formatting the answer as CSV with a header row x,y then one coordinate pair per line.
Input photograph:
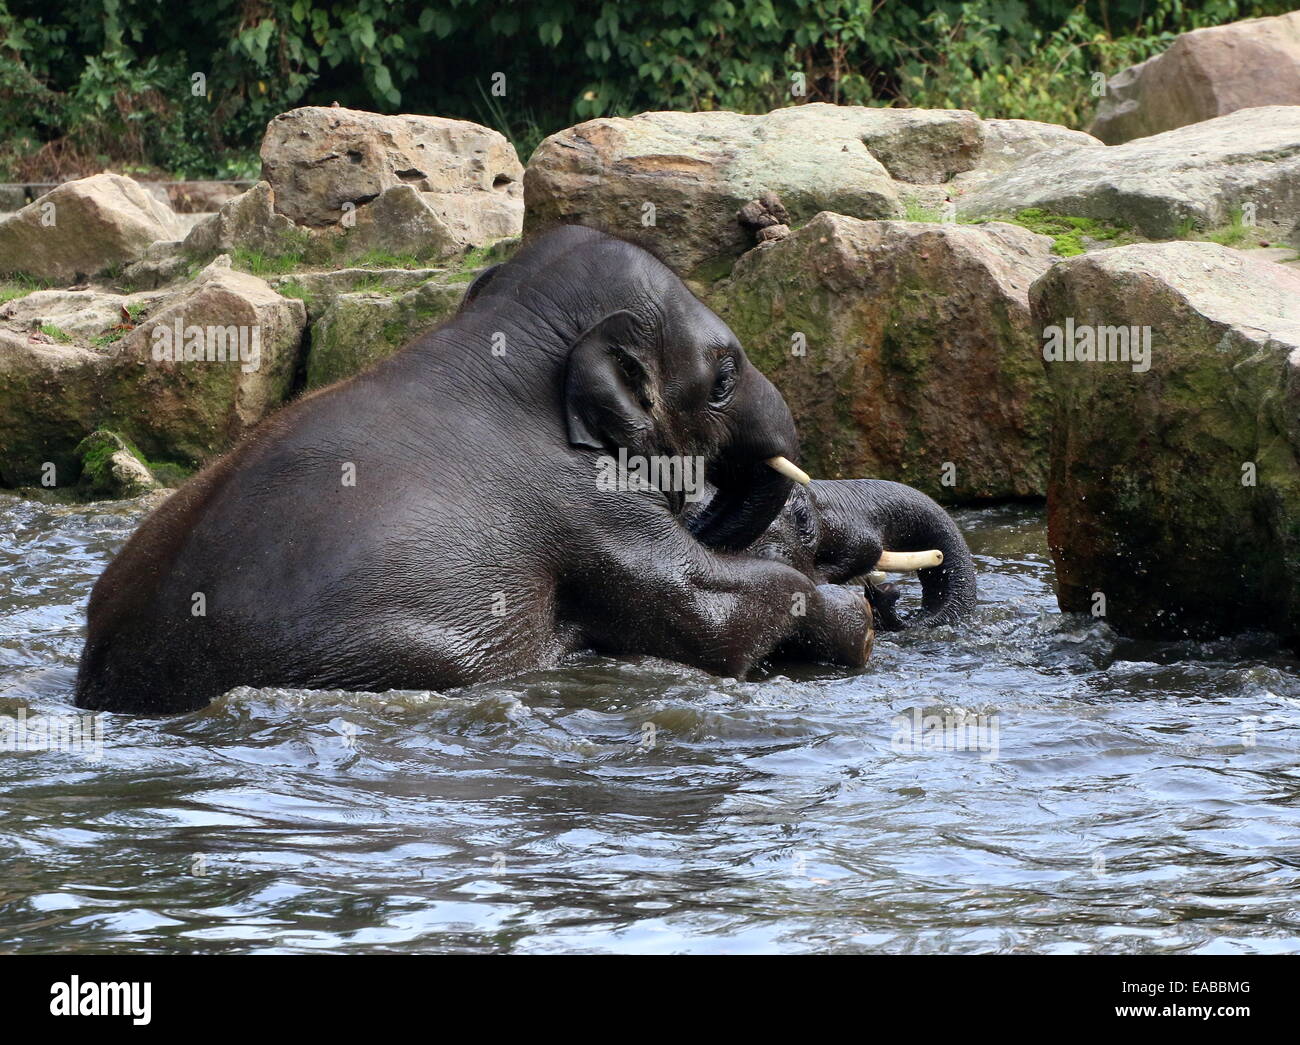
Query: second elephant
x,y
838,531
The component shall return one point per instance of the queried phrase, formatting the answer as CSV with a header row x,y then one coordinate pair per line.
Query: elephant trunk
x,y
752,476
860,518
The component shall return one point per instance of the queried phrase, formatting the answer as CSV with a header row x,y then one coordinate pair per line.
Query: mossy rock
x,y
905,350
1174,488
357,330
112,467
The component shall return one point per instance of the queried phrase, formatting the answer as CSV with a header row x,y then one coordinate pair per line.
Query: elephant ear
x,y
607,386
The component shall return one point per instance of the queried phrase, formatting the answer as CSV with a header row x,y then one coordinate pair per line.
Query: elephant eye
x,y
803,519
724,383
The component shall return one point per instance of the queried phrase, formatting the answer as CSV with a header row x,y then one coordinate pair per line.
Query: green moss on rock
x,y
358,329
1175,491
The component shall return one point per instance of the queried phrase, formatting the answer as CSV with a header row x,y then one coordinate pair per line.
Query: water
x,y
1123,797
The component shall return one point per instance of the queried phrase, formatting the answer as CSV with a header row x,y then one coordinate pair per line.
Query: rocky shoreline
x,y
984,309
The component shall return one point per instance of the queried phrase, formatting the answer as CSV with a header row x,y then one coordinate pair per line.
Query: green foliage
x,y
189,88
56,332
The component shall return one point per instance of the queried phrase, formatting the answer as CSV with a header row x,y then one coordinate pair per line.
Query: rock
x,y
766,217
677,180
402,222
164,262
83,227
249,221
53,393
320,160
1175,490
915,145
902,348
1205,73
81,315
200,407
763,212
48,394
1008,142
319,289
358,329
112,468
1199,174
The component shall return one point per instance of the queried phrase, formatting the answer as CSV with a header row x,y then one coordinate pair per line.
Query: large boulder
x,y
1205,73
84,227
677,180
905,350
1193,176
183,379
1174,499
320,160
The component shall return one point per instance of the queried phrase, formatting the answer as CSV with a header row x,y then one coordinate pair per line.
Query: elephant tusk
x,y
789,470
905,562
876,577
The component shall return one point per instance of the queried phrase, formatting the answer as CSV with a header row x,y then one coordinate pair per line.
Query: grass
x,y
1234,234
19,285
382,259
914,211
107,338
94,458
475,260
56,332
371,285
260,263
520,126
294,249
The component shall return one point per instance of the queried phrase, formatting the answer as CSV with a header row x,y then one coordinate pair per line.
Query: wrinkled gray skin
x,y
474,542
834,530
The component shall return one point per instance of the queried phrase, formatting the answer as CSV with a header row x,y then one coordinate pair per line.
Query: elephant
x,y
836,531
440,519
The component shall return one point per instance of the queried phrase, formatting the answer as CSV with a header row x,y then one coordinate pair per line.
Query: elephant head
x,y
841,530
652,371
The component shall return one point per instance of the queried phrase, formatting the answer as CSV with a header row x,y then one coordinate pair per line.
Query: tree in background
x,y
187,90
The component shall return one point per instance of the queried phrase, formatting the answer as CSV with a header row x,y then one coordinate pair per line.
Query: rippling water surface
x,y
1081,793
